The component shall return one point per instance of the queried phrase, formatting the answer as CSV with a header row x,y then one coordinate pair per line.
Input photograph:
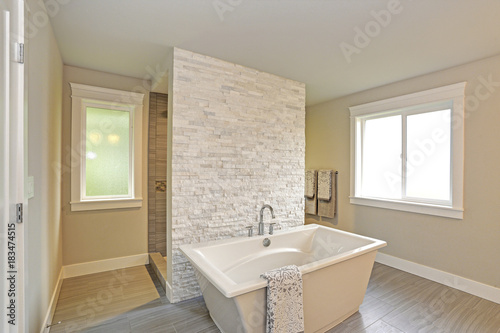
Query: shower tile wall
x,y
157,174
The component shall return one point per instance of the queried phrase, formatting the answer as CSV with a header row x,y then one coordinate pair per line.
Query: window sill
x,y
419,208
106,204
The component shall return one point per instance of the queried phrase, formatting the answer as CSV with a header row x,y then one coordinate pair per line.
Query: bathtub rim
x,y
230,289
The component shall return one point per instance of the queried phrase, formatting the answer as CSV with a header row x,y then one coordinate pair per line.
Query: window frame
x,y
447,97
84,96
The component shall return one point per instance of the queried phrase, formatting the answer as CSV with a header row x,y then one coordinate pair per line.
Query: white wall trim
x,y
479,289
168,291
106,94
105,265
422,97
106,204
52,305
413,207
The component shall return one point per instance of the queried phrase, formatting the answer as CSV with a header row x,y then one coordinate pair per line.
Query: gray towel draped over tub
x,y
285,311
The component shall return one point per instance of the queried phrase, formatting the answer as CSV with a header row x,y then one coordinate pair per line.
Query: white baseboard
x,y
105,265
52,305
479,289
169,292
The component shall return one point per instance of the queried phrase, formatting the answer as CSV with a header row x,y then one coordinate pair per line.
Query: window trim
x,y
83,96
454,94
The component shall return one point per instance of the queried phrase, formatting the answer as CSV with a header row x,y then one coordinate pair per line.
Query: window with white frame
x,y
407,152
106,140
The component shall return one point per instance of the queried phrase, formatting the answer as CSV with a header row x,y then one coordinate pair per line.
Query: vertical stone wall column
x,y
238,141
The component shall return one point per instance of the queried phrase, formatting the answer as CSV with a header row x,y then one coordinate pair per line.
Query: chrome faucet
x,y
261,222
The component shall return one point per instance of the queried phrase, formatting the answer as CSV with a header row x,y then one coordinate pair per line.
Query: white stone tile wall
x,y
238,142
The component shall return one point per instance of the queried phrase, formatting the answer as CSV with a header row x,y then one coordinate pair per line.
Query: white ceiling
x,y
297,39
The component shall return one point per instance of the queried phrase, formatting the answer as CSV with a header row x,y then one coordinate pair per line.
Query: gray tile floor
x,y
397,302
132,300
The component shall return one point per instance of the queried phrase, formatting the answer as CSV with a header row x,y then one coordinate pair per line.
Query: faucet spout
x,y
261,220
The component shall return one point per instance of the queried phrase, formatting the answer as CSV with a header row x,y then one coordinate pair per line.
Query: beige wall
x,y
102,234
470,247
43,226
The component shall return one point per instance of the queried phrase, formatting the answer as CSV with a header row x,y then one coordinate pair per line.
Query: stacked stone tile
x,y
238,141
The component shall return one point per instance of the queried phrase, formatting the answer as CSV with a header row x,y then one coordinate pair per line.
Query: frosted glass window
x,y
428,166
108,147
381,156
106,143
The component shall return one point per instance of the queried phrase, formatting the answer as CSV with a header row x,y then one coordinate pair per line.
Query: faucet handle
x,y
271,228
250,231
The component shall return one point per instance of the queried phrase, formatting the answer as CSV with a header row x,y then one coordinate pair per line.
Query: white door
x,y
11,166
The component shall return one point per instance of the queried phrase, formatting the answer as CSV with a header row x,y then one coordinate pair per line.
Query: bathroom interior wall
x,y
102,234
238,142
43,230
468,247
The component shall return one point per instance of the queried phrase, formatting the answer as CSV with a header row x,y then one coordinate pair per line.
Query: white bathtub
x,y
335,267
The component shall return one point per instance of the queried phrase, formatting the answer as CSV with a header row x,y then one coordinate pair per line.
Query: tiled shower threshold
x,y
159,265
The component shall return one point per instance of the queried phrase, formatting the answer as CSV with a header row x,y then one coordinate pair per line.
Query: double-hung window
x,y
407,152
106,136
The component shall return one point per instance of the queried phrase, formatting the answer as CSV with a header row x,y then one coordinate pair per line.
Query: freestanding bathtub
x,y
335,267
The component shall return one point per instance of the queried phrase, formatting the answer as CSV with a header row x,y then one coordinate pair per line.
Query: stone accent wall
x,y
157,174
238,142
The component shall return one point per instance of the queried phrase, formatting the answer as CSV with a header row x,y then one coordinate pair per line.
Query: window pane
x,y
382,145
428,155
107,152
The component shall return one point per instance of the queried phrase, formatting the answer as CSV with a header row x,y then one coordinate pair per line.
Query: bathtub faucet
x,y
261,222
